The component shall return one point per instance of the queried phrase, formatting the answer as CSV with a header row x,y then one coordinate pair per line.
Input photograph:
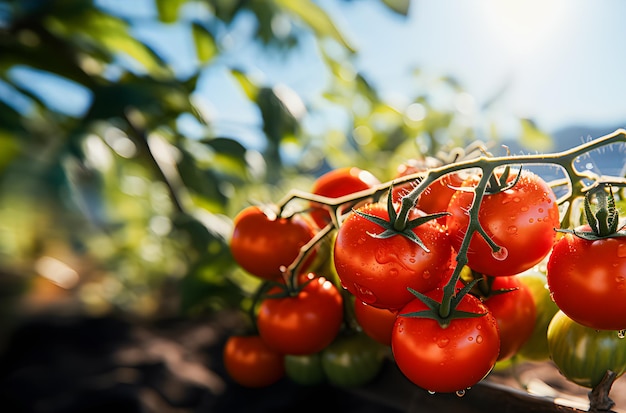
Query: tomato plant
x,y
302,322
262,243
513,306
336,183
378,269
251,363
520,219
445,359
583,354
353,359
375,322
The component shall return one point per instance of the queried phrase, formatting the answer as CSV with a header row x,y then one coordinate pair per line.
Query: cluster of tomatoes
x,y
387,288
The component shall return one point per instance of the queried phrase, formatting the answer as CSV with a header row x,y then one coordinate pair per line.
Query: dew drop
x,y
530,221
512,229
470,338
460,393
501,254
443,341
479,339
524,208
426,275
621,251
540,210
393,272
621,334
364,294
516,199
479,327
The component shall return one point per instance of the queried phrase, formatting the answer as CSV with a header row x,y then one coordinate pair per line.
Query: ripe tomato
x,y
251,363
536,347
515,314
352,360
436,196
587,280
583,354
379,270
375,322
337,183
305,323
521,220
305,369
262,244
445,359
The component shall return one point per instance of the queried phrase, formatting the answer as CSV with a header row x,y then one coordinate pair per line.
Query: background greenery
x,y
115,206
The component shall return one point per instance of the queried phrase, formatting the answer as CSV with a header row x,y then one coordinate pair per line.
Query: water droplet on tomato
x,y
501,254
516,199
443,341
524,208
512,229
530,221
393,272
431,392
540,210
460,393
470,338
621,250
479,327
426,275
364,294
479,339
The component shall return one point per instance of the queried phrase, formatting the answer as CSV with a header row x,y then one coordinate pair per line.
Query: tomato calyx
x,y
391,228
436,310
604,221
498,184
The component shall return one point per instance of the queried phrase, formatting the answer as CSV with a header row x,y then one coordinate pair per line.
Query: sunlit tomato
x,y
583,354
305,369
375,322
378,271
587,280
261,244
304,323
352,360
251,363
337,183
536,347
521,220
514,312
445,359
436,196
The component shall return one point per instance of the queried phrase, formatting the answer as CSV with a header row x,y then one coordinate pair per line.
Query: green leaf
x,y
248,86
316,18
398,6
205,44
168,9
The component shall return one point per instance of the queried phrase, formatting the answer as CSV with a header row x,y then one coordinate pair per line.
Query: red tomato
x,y
378,271
587,280
436,196
251,363
445,359
375,322
305,323
521,220
337,183
515,314
261,244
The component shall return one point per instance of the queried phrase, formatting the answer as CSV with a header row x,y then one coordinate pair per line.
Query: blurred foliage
x,y
118,208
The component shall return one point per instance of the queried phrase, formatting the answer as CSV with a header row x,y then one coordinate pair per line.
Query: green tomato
x,y
582,354
305,369
536,348
353,360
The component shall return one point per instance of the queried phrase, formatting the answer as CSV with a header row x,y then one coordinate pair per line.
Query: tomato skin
x,y
251,363
583,354
378,271
515,314
352,360
305,369
376,322
445,359
305,323
337,183
261,245
536,347
521,219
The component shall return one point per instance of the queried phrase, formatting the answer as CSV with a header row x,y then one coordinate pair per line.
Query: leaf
x,y
399,6
533,138
205,44
317,19
248,86
168,9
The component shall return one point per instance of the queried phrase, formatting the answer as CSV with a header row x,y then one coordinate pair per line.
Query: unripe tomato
x,y
305,369
583,354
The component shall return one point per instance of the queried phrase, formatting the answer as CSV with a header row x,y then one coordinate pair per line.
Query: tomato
x,y
337,183
445,359
379,270
304,323
521,220
262,244
583,354
536,347
305,369
352,360
515,314
375,322
251,363
587,280
436,196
